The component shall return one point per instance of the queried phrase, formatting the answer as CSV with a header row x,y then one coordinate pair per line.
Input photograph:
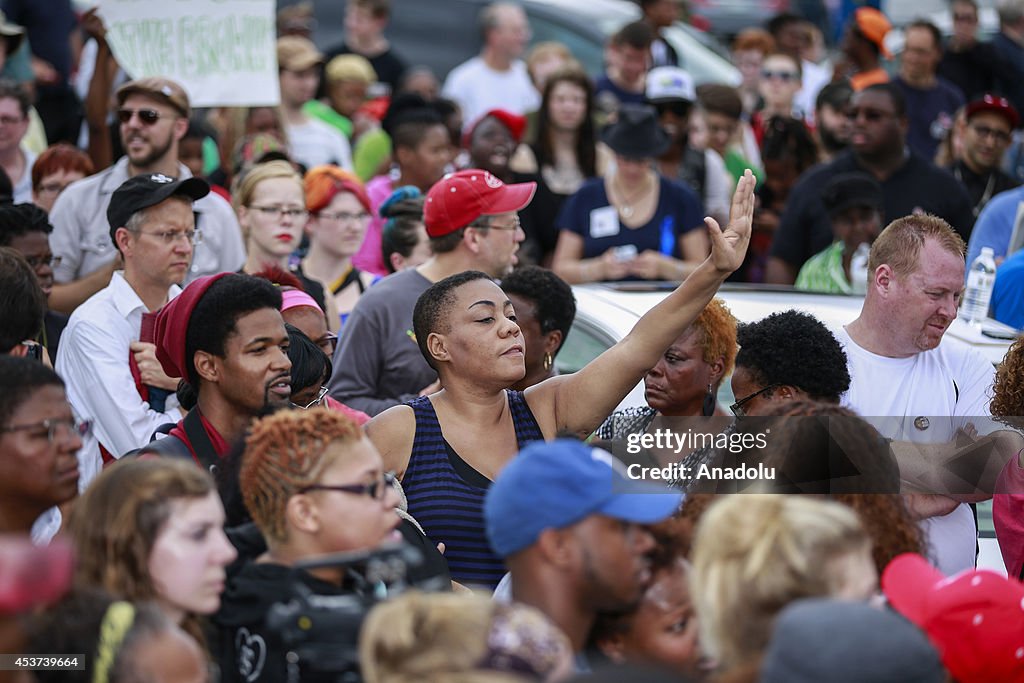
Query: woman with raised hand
x,y
450,445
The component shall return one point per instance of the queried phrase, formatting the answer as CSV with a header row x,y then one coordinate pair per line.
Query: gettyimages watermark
x,y
966,458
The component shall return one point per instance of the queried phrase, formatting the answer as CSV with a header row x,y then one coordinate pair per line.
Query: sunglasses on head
x,y
146,116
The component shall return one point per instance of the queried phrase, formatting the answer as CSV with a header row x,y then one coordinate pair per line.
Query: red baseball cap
x,y
460,198
975,619
995,103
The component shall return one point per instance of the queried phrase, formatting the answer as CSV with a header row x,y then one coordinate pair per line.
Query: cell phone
x,y
626,252
35,350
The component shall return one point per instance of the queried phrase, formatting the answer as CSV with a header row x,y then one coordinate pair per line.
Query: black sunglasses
x,y
147,116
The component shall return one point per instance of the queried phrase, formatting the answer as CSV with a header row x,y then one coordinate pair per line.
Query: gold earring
x,y
548,361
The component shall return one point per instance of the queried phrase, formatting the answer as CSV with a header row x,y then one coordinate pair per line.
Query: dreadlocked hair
x,y
285,452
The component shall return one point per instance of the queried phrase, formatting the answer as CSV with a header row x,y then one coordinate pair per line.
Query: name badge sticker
x,y
604,222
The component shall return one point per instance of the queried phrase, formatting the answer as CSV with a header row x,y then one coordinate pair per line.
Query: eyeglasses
x,y
315,402
516,225
737,408
38,261
169,237
1000,136
966,18
11,120
785,76
327,343
80,428
146,116
375,489
344,216
281,212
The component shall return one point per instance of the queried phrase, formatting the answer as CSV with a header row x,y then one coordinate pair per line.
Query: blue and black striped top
x,y
446,495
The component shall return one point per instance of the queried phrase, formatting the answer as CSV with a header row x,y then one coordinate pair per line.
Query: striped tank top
x,y
446,495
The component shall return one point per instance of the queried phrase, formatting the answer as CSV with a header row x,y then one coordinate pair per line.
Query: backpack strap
x,y
205,453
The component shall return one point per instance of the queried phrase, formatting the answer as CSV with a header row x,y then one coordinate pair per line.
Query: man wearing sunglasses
x,y
911,184
671,91
153,115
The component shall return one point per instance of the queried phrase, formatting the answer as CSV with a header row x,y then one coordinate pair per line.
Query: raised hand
x,y
729,246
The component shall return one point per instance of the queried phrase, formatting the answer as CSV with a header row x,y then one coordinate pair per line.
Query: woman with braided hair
x,y
314,485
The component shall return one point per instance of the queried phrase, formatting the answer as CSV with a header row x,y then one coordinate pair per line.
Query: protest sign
x,y
221,51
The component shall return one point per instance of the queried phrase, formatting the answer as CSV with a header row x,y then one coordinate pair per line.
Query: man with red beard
x,y
153,115
910,183
225,337
900,367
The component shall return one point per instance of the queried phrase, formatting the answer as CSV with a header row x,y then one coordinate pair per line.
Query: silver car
x,y
605,313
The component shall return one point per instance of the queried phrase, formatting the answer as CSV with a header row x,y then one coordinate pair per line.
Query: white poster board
x,y
221,51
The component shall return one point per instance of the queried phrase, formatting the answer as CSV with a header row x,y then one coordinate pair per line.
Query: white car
x,y
605,313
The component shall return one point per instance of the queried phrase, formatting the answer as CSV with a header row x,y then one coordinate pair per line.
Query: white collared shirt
x,y
81,232
93,361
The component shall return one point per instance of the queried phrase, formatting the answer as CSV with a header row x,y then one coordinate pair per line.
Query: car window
x,y
588,51
584,343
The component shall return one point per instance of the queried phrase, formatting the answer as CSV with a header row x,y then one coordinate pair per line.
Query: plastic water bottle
x,y
859,268
980,281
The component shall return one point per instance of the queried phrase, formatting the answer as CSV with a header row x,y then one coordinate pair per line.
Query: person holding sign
x,y
634,223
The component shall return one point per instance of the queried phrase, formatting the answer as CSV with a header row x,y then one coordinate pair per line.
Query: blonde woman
x,y
455,637
755,554
271,205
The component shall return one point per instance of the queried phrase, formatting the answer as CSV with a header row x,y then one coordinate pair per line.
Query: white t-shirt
x,y
938,392
314,143
478,88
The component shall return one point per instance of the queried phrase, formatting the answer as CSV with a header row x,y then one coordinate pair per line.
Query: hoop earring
x,y
548,361
708,408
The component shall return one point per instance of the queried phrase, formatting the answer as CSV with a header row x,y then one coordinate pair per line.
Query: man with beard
x,y
154,116
566,518
910,183
830,112
901,367
225,337
112,375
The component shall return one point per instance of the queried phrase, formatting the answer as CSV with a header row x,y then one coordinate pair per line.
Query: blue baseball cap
x,y
552,485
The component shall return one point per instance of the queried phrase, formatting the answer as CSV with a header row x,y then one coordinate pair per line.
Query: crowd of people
x,y
279,398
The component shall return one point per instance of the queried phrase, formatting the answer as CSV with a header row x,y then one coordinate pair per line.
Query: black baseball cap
x,y
847,190
146,190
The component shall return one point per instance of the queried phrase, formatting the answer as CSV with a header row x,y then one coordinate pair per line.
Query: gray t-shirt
x,y
378,363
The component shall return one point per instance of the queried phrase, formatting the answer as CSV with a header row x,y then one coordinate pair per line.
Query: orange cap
x,y
873,25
